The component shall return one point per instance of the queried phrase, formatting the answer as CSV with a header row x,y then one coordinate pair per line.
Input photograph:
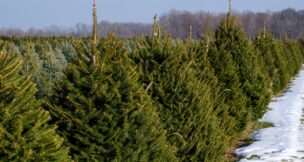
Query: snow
x,y
284,141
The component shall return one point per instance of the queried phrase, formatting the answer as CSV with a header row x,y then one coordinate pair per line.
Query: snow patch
x,y
284,141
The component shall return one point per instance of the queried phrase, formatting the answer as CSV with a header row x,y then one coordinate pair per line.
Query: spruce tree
x,y
183,101
197,53
292,53
239,68
24,130
275,62
33,66
103,113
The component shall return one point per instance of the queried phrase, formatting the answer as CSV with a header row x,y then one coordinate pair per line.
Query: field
x,y
145,98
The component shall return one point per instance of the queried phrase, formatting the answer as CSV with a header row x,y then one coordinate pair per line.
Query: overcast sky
x,y
66,13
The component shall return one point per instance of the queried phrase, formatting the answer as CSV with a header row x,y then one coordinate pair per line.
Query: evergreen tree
x,y
68,50
275,62
103,113
197,53
53,62
292,53
183,100
241,71
24,132
33,66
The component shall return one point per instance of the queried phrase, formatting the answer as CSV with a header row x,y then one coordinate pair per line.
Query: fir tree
x,y
33,66
245,77
197,53
183,100
275,62
292,53
103,113
24,132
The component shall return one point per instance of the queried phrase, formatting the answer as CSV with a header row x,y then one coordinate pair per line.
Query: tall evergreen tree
x,y
24,130
183,100
276,64
292,53
103,113
241,71
197,53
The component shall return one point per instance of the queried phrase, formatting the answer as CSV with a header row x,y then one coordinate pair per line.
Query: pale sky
x,y
67,13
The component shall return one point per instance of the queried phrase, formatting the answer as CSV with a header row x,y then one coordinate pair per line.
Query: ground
x,y
284,141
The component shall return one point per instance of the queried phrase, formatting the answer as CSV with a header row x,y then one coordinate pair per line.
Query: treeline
x,y
140,99
285,23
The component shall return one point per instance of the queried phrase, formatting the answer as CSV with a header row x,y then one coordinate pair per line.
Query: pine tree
x,y
31,62
292,53
183,101
24,130
275,62
68,50
197,53
103,113
245,77
50,69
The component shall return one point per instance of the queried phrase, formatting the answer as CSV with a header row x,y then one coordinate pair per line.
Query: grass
x,y
252,157
262,125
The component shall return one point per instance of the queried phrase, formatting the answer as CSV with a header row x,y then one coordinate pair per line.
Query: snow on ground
x,y
285,141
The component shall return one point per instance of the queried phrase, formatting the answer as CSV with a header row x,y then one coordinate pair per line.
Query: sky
x,y
67,13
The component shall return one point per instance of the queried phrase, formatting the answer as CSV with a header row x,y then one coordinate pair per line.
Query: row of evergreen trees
x,y
142,99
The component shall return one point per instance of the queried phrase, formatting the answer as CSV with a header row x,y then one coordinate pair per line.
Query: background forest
x,y
283,23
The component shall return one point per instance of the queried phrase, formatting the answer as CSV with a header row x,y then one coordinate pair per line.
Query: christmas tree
x,y
183,97
24,130
274,60
241,71
103,113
